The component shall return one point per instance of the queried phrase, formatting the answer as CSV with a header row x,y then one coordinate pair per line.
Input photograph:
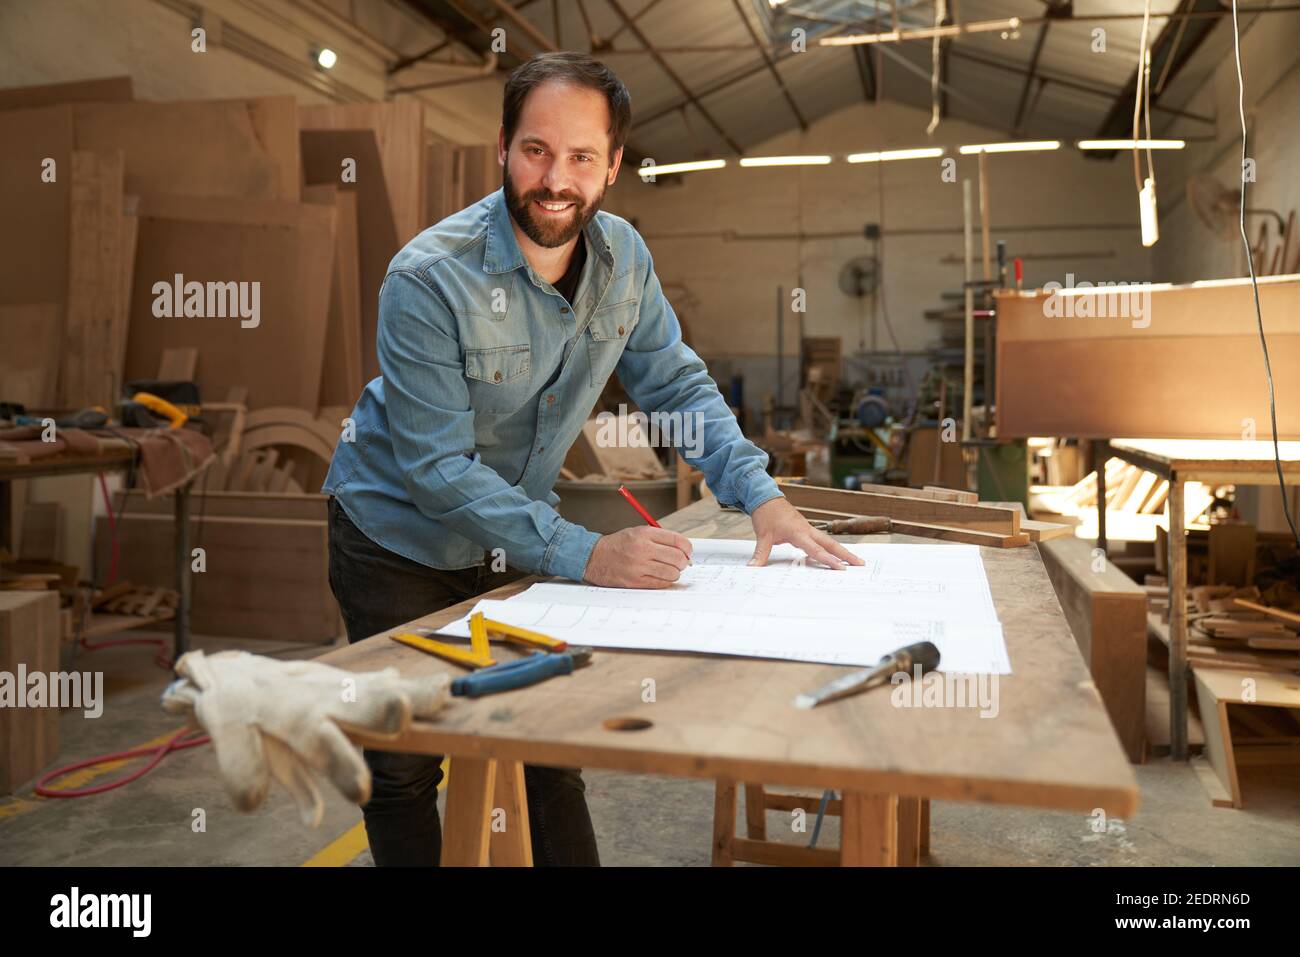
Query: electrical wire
x,y
175,743
1143,92
1254,281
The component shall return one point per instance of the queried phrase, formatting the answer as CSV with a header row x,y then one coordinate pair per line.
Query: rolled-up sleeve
x,y
432,429
664,375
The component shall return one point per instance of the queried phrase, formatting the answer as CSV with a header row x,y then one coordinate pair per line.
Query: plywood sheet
x,y
322,155
277,244
245,148
1189,367
30,336
34,224
112,88
399,133
341,381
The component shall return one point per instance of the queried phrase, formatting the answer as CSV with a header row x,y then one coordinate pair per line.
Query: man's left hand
x,y
777,521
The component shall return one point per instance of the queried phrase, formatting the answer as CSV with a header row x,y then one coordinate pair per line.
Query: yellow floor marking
x,y
343,849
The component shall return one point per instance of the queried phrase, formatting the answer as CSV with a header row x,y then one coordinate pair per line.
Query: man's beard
x,y
549,233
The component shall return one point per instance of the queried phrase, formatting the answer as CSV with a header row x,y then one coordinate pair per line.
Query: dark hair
x,y
578,69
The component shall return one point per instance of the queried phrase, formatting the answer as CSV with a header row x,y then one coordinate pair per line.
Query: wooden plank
x,y
869,830
1057,375
782,855
30,339
35,194
482,173
511,846
29,635
227,148
1232,554
340,382
942,532
94,277
978,518
755,812
323,156
1107,613
126,251
909,832
1218,738
78,91
1278,613
280,246
724,822
398,128
466,834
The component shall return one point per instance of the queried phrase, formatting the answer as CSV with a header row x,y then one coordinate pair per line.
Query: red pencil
x,y
631,500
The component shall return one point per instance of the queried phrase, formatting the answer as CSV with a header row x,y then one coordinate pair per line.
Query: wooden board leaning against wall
x,y
1189,366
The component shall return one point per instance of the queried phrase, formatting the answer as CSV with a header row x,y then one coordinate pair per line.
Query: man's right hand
x,y
640,557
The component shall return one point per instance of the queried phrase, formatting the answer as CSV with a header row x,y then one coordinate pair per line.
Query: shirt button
x,y
541,448
550,398
564,309
620,330
496,376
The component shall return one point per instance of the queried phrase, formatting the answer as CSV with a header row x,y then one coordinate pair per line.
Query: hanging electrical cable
x,y
1254,282
1147,189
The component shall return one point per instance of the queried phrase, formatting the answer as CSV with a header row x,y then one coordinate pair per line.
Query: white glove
x,y
269,717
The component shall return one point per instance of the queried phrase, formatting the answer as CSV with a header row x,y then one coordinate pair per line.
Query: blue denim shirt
x,y
487,376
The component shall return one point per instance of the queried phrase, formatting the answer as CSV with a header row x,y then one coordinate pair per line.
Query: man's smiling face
x,y
558,165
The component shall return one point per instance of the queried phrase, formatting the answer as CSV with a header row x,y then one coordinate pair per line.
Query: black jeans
x,y
377,590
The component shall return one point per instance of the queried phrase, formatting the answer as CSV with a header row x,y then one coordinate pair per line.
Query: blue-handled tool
x,y
520,673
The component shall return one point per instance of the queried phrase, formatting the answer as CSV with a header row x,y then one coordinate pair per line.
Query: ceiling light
x,y
1131,144
1027,146
326,58
786,161
680,167
928,152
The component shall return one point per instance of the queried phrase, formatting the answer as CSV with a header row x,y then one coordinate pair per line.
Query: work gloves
x,y
283,718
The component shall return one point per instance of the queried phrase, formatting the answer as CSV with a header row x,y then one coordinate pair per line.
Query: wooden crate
x,y
29,635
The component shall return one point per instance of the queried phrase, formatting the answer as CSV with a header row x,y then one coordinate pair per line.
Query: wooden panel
x,y
79,91
512,845
466,836
979,518
399,133
279,245
322,157
87,375
482,173
29,635
30,339
1196,371
1107,614
246,148
265,578
34,226
340,382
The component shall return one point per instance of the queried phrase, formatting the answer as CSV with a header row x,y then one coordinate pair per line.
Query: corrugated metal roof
x,y
742,99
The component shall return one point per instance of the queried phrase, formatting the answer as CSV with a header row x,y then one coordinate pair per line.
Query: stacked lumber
x,y
1135,503
929,512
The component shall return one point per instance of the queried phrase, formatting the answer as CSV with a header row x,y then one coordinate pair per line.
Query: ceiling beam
x,y
1019,123
866,72
1119,120
672,75
771,66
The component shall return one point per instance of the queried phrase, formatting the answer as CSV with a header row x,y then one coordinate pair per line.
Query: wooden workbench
x,y
1179,461
731,719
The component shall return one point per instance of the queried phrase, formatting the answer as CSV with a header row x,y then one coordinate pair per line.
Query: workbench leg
x,y
909,832
869,830
466,830
1098,452
181,623
925,827
755,812
724,822
511,841
1177,621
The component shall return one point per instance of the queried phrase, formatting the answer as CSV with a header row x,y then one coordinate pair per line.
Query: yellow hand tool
x,y
481,631
175,416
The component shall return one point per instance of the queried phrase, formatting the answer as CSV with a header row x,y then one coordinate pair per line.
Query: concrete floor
x,y
639,820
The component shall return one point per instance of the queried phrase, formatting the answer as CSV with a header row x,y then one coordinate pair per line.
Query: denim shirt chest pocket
x,y
607,335
499,377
